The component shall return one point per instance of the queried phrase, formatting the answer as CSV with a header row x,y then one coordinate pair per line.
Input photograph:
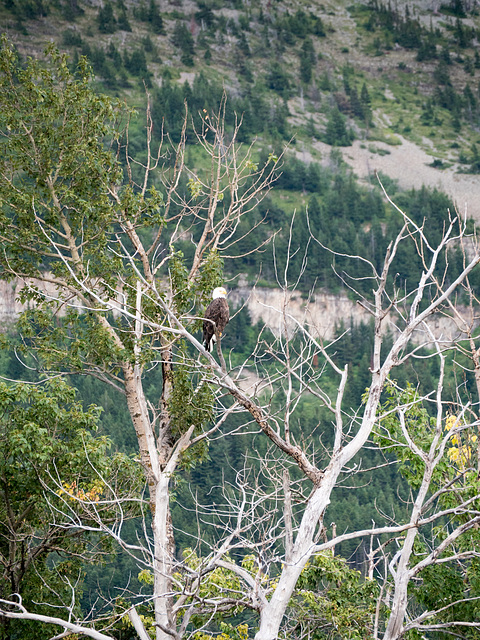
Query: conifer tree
x,y
106,18
336,133
307,60
155,18
183,39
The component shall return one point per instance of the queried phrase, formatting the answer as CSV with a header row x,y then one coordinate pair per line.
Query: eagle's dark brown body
x,y
216,319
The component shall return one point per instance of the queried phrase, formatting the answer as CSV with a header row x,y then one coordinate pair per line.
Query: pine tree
x,y
457,8
277,78
154,18
205,15
123,22
307,61
243,44
461,36
71,10
336,133
136,64
366,104
114,54
106,19
183,39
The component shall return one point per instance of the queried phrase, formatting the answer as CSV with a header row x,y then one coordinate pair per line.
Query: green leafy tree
x,y
333,600
437,454
53,465
94,235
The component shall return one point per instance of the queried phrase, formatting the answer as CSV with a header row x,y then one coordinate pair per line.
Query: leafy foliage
x,y
70,165
334,601
52,463
447,585
341,215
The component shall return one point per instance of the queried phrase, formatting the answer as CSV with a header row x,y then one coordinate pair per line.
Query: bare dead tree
x,y
409,313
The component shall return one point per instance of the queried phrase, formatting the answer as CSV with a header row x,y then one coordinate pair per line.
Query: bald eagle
x,y
216,319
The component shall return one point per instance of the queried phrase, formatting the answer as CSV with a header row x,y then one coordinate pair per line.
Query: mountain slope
x,y
396,90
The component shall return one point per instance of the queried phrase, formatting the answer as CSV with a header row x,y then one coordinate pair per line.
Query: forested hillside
x,y
285,485
294,76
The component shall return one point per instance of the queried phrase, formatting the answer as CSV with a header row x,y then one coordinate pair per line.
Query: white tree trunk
x,y
162,563
272,614
158,484
402,574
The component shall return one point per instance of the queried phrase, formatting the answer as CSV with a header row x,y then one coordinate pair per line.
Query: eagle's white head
x,y
219,292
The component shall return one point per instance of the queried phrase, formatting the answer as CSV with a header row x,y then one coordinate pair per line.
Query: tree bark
x,y
163,560
158,484
272,613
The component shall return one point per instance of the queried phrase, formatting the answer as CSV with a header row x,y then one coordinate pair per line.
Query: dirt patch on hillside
x,y
408,164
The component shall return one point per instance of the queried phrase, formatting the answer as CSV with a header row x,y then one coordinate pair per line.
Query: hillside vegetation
x,y
335,71
296,75
315,77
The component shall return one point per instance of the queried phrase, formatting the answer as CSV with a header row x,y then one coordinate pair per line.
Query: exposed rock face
x,y
321,313
10,307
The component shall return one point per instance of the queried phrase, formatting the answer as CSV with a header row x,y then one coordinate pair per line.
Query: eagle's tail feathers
x,y
209,342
